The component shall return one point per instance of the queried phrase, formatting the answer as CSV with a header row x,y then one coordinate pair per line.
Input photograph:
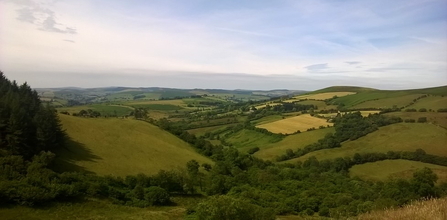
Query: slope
x,y
121,147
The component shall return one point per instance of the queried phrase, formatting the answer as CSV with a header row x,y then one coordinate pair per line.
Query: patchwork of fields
x,y
294,124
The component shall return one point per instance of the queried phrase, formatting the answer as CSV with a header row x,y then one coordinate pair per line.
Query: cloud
x,y
353,62
316,67
45,19
71,41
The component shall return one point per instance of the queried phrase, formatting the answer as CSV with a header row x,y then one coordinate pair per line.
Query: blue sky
x,y
225,44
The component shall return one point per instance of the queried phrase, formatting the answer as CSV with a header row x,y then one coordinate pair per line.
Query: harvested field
x,y
293,124
323,96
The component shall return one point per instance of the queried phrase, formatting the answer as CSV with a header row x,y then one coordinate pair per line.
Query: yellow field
x,y
122,147
322,96
383,170
293,124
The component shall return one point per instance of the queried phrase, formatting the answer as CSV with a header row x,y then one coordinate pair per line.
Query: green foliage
x,y
229,208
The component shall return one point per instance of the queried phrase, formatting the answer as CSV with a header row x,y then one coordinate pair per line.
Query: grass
x,y
101,108
122,147
397,137
161,107
321,105
202,131
354,89
437,118
323,96
246,139
296,141
431,102
293,124
90,209
268,119
433,209
384,103
384,170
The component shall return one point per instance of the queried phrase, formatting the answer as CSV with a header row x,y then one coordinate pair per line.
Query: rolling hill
x,y
121,147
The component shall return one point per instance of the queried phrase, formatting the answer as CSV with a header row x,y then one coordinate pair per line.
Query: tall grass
x,y
432,209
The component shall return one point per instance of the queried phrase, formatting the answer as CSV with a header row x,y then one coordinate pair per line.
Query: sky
x,y
225,44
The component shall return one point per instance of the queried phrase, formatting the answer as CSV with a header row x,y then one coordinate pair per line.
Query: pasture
x,y
430,102
437,118
396,137
247,139
121,147
91,209
384,103
293,124
104,109
386,169
322,96
296,141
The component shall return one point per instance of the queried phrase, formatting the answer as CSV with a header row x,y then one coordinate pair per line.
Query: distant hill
x,y
121,147
343,89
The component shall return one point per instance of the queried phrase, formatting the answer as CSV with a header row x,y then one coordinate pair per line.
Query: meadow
x,y
296,141
437,118
104,109
430,102
384,103
246,139
293,124
322,96
396,137
386,169
122,147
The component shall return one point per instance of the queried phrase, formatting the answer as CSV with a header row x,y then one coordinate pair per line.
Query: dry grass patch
x,y
293,124
433,209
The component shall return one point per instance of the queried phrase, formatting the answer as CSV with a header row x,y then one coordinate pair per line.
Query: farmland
x,y
323,96
296,141
293,124
122,147
397,137
104,109
383,170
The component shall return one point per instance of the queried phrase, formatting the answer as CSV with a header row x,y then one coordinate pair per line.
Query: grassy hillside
x,y
396,137
437,118
343,89
104,109
122,147
383,103
246,139
431,102
271,151
427,210
383,170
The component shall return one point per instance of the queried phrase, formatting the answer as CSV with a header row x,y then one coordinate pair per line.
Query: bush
x,y
422,119
229,208
422,110
409,121
253,150
155,195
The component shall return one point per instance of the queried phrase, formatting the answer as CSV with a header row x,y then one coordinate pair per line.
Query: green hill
x,y
383,170
343,89
397,137
121,147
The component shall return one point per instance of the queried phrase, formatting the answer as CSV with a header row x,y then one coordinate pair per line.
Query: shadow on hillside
x,y
71,153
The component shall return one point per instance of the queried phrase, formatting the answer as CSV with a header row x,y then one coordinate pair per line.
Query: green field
x,y
122,147
202,131
271,151
431,102
105,110
384,103
268,119
321,105
246,139
162,107
90,209
342,89
397,137
437,118
383,170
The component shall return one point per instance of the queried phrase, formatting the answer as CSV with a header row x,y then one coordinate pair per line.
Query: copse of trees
x,y
26,126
